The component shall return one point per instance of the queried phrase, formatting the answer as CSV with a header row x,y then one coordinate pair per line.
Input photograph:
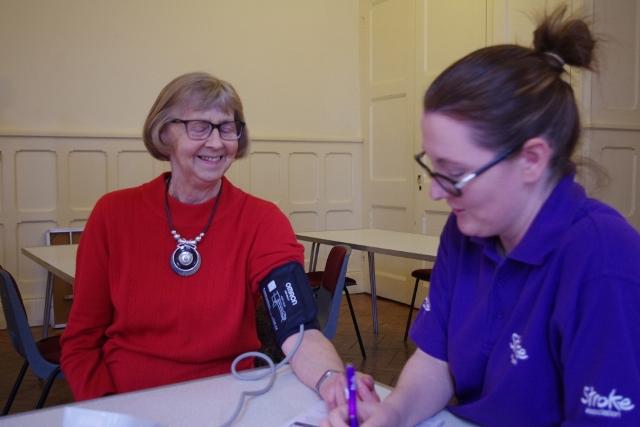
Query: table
x,y
395,243
204,402
59,260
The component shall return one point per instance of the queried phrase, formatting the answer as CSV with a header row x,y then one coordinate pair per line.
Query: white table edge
x,y
52,268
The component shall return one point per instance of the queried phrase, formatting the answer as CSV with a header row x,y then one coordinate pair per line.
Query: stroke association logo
x,y
518,352
610,406
426,305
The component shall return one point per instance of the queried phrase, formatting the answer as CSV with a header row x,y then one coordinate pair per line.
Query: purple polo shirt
x,y
549,334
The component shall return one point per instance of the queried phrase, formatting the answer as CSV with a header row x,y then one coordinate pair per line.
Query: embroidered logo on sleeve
x,y
426,305
518,352
610,406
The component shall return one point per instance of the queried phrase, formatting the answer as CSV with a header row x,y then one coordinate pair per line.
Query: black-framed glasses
x,y
199,130
455,186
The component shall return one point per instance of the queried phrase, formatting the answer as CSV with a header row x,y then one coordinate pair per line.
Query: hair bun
x,y
569,40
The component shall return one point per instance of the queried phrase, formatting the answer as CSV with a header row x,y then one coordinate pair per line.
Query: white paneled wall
x,y
611,106
616,89
55,181
318,184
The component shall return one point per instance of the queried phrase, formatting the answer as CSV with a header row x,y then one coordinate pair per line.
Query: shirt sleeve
x,y
274,244
429,331
91,313
600,354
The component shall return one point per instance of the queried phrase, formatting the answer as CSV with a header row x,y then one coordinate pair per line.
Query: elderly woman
x,y
169,273
532,317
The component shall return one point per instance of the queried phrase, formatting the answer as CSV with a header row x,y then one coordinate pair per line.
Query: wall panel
x,y
388,217
616,88
388,59
389,135
266,176
305,220
134,167
339,168
35,195
618,152
305,189
622,163
341,219
87,178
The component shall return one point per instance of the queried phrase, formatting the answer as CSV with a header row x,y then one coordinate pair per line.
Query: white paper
x,y
80,417
312,416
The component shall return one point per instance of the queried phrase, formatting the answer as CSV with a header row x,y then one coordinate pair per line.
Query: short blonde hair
x,y
198,91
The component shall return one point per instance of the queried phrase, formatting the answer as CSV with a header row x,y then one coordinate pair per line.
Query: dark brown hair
x,y
197,91
509,94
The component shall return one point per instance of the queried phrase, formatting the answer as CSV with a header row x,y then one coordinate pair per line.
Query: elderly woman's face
x,y
199,162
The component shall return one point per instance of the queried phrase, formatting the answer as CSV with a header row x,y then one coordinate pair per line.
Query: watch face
x,y
185,260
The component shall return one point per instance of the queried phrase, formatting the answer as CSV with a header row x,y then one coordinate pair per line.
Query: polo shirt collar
x,y
555,217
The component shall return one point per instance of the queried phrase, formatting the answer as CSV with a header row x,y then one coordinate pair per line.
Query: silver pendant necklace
x,y
185,259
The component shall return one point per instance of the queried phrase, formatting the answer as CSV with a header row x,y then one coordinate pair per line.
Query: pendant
x,y
185,260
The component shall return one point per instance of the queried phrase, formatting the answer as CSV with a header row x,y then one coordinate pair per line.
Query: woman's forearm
x,y
315,355
423,389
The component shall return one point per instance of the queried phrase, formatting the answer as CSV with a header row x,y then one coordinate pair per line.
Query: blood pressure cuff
x,y
289,300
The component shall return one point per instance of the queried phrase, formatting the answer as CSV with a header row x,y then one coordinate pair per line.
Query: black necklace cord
x,y
167,211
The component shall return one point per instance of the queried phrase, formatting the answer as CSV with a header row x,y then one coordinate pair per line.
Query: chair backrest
x,y
15,313
329,295
18,325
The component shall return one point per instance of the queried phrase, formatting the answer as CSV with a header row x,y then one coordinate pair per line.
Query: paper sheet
x,y
315,414
80,417
309,418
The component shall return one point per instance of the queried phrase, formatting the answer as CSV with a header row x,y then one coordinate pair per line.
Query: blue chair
x,y
42,356
329,285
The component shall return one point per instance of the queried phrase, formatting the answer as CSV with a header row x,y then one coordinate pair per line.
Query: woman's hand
x,y
370,414
332,390
423,376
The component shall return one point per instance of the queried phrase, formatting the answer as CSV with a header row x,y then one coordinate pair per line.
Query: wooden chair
x,y
58,294
42,356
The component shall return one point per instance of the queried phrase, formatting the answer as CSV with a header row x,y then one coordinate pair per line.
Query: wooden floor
x,y
386,353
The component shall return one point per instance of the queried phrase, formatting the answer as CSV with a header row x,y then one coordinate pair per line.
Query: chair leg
x,y
14,390
355,324
413,301
48,302
47,386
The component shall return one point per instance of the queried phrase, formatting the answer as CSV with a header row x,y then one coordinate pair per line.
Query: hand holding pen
x,y
332,389
352,395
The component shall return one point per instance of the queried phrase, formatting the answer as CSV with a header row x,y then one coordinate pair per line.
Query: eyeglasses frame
x,y
459,184
214,126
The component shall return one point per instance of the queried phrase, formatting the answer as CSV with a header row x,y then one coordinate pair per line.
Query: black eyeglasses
x,y
455,186
199,130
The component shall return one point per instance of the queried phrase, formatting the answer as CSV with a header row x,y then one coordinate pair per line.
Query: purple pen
x,y
352,395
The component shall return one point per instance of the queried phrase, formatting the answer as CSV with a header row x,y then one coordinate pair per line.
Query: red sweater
x,y
134,322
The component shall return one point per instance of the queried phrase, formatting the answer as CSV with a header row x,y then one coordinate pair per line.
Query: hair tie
x,y
559,62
